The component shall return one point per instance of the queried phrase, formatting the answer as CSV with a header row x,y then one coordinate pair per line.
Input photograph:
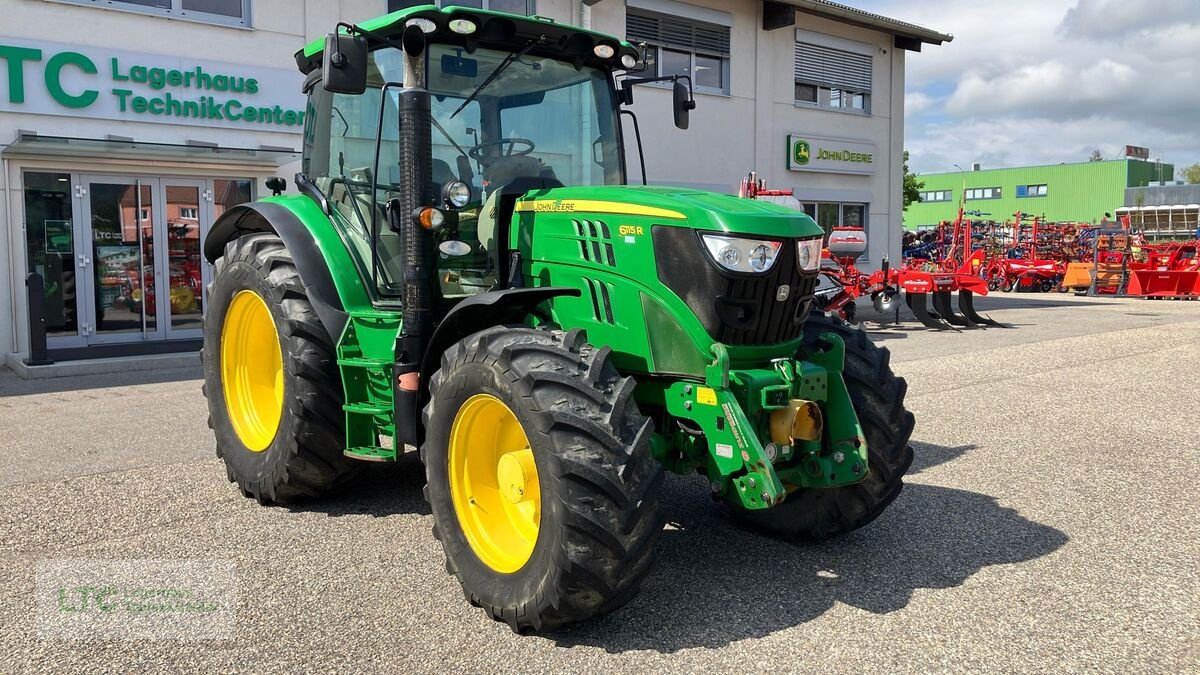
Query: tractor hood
x,y
671,206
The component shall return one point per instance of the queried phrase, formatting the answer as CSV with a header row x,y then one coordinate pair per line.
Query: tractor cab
x,y
513,106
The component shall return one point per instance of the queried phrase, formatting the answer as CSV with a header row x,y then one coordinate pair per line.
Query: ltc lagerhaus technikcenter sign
x,y
47,78
829,155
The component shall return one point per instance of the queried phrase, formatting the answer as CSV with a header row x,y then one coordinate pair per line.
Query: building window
x,y
189,213
828,77
833,214
983,193
937,196
679,46
1031,190
525,7
230,12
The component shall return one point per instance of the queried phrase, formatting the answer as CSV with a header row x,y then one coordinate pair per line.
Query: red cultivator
x,y
842,283
846,283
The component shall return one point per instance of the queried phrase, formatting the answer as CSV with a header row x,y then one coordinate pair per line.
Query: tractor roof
x,y
495,30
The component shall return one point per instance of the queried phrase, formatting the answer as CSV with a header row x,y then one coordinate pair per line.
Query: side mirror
x,y
276,185
683,104
344,64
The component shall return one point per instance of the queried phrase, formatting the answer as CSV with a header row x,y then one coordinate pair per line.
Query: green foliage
x,y
1191,174
912,186
1096,156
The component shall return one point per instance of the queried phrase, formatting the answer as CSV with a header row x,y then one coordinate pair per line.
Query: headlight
x,y
457,194
742,255
808,254
629,61
462,26
425,25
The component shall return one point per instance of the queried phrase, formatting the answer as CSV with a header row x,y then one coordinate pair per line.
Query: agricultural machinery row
x,y
1029,254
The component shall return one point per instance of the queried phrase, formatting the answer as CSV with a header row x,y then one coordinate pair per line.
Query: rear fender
x,y
314,262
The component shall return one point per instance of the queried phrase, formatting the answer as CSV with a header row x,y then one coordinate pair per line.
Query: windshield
x,y
537,118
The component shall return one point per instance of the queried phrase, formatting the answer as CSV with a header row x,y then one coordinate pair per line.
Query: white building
x,y
128,123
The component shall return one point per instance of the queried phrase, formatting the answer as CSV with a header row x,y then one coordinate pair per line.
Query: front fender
x,y
509,306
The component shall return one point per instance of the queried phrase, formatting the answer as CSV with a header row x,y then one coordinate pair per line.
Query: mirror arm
x,y
628,83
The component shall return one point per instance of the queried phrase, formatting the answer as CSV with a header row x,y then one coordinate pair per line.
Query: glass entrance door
x,y
185,223
122,301
121,255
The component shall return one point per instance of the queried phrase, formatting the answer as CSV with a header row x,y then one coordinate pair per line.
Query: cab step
x,y
371,454
359,362
367,409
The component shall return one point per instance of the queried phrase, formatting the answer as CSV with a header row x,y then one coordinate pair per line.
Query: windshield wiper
x,y
508,60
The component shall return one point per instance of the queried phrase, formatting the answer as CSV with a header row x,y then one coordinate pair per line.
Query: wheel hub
x,y
513,473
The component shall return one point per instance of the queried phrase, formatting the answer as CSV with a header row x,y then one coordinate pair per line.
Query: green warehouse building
x,y
1079,192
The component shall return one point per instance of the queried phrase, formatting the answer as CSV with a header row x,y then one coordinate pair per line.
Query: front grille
x,y
735,309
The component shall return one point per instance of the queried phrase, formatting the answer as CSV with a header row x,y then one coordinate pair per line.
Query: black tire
x,y
305,458
1006,286
878,397
598,479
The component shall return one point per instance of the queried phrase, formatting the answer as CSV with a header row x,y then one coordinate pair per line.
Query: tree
x,y
1191,174
912,186
1096,156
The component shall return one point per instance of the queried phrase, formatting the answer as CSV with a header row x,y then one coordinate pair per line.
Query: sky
x,y
1028,82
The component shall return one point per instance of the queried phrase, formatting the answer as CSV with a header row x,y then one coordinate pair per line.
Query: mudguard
x,y
477,312
301,244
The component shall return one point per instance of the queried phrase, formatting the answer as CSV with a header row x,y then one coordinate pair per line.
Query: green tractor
x,y
466,271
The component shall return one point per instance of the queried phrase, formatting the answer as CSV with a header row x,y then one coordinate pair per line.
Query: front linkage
x,y
761,433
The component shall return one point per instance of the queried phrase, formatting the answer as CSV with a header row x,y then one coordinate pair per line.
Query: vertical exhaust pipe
x,y
416,243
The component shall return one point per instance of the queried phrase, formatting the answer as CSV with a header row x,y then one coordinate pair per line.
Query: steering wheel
x,y
476,153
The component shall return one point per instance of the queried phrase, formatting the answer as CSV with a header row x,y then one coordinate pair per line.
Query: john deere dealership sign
x,y
48,78
830,155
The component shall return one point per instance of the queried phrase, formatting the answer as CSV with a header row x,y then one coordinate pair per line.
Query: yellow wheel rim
x,y
252,370
494,483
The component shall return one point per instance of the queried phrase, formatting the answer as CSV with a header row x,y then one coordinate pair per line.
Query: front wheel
x,y
540,475
878,398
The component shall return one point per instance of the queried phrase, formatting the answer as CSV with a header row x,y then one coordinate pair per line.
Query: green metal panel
x,y
1081,192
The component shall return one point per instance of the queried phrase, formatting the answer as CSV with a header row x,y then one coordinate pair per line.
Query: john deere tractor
x,y
466,271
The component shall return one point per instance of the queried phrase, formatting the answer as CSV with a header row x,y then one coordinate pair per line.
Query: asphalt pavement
x,y
1049,523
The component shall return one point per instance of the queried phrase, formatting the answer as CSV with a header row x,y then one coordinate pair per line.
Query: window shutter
x,y
672,31
833,68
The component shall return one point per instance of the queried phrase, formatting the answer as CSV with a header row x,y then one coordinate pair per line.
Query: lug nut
x,y
687,388
687,405
839,457
750,482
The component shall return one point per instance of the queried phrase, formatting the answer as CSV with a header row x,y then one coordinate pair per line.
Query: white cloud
x,y
916,102
1047,81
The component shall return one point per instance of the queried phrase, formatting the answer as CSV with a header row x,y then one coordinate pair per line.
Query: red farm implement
x,y
1171,271
957,271
1034,256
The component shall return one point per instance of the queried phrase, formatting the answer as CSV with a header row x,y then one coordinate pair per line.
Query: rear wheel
x,y
878,397
541,480
271,378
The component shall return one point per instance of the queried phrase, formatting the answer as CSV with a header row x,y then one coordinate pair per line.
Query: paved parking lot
x,y
1049,523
